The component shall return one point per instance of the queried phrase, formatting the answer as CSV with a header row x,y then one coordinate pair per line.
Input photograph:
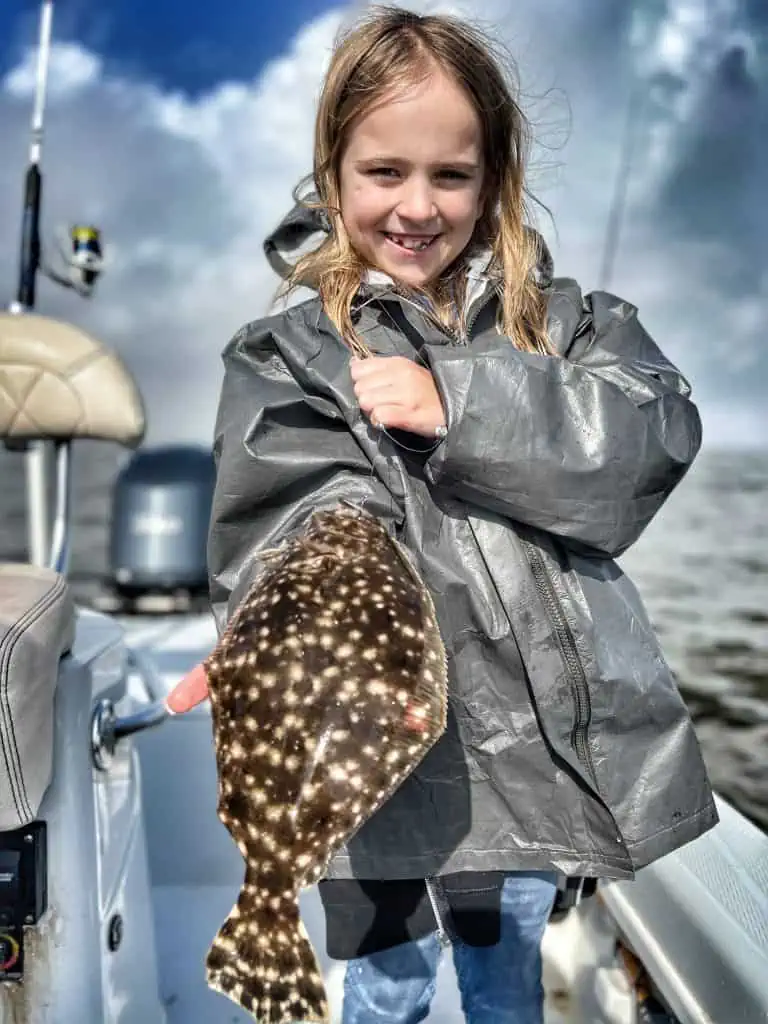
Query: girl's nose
x,y
416,202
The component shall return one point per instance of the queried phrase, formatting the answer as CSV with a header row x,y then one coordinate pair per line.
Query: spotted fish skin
x,y
327,688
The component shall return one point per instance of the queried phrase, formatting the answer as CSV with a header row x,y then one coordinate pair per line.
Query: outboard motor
x,y
161,508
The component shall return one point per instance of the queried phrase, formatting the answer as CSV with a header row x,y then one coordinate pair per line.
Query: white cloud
x,y
71,69
186,189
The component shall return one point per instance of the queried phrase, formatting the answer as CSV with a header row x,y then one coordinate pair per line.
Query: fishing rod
x,y
80,253
618,204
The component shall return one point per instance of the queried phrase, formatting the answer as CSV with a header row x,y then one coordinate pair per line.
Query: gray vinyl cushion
x,y
37,622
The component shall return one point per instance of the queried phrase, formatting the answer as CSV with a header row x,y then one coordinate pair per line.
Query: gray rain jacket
x,y
568,745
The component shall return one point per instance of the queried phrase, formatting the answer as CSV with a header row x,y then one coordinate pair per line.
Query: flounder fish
x,y
327,688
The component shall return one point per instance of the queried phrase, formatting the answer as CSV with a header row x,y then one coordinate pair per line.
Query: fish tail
x,y
262,960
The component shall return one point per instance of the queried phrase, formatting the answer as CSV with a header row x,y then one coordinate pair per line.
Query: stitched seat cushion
x,y
37,625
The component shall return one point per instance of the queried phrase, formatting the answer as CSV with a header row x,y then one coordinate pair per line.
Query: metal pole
x,y
37,458
620,189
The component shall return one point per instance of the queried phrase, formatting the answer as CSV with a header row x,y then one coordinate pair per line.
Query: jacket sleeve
x,y
280,454
587,447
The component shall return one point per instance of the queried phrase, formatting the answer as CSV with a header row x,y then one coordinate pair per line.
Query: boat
x,y
115,872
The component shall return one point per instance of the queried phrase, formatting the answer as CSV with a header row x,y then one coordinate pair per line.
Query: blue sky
x,y
181,128
178,44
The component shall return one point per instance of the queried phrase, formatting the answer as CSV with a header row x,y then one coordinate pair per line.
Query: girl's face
x,y
411,181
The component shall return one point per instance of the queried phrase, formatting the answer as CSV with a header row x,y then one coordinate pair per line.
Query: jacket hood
x,y
305,228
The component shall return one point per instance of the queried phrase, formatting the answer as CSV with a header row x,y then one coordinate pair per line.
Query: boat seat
x,y
698,920
59,383
37,627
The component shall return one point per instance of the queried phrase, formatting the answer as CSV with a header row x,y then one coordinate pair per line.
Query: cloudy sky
x,y
180,128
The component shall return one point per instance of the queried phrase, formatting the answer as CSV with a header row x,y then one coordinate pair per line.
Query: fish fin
x,y
264,963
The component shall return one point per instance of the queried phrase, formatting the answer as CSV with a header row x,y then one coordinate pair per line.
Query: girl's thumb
x,y
188,693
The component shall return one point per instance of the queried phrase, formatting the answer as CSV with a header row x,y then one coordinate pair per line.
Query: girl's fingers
x,y
361,368
393,416
191,691
376,394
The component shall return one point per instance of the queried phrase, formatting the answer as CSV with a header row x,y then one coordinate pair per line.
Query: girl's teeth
x,y
415,244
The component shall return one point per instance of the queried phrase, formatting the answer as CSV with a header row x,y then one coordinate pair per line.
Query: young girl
x,y
516,435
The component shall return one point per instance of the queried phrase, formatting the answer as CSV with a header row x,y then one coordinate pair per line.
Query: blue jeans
x,y
499,984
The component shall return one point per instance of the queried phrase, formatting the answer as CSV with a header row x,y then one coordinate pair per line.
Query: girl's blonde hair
x,y
390,49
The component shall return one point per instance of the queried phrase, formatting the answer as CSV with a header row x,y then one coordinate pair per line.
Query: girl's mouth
x,y
411,243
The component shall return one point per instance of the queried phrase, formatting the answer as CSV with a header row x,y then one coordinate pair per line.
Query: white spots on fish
x,y
337,773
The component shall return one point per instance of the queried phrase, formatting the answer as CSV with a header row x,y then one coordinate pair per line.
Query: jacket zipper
x,y
567,643
442,935
459,337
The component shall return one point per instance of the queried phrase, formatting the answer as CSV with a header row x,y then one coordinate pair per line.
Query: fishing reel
x,y
81,252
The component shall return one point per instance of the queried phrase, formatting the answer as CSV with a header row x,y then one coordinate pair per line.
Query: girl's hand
x,y
191,691
394,392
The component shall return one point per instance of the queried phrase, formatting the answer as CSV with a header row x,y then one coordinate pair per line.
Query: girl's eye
x,y
392,174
